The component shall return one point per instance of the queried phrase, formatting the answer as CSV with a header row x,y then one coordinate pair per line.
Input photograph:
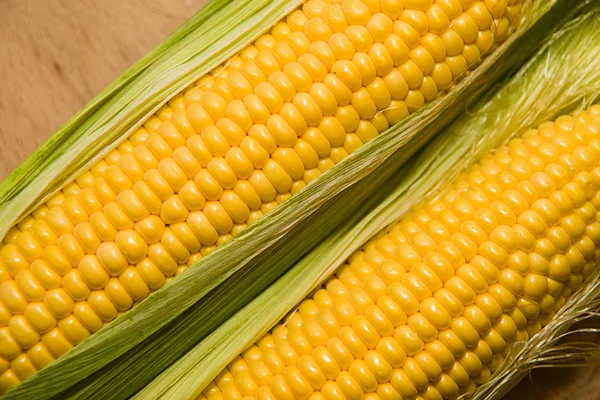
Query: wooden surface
x,y
55,55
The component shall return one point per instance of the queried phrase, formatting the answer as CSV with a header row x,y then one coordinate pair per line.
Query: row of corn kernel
x,y
356,344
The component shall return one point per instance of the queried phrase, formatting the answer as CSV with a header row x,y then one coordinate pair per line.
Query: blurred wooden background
x,y
55,55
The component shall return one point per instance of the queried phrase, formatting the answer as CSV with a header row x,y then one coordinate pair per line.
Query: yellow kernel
x,y
415,373
256,108
116,292
466,27
308,108
423,59
403,384
102,305
316,29
39,356
349,385
438,20
380,26
348,73
270,96
457,64
484,41
429,88
324,98
481,15
453,42
157,183
73,330
502,26
323,52
75,286
496,7
416,18
411,73
111,257
134,284
58,302
356,12
363,103
133,246
299,42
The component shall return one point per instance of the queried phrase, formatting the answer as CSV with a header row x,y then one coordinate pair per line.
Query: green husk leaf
x,y
119,359
562,75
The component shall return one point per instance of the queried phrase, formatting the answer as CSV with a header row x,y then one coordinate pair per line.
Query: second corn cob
x,y
329,78
430,307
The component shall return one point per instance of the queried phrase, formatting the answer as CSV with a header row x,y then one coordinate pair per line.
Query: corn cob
x,y
429,308
223,153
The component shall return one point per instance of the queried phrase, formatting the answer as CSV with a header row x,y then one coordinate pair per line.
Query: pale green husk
x,y
120,359
562,75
